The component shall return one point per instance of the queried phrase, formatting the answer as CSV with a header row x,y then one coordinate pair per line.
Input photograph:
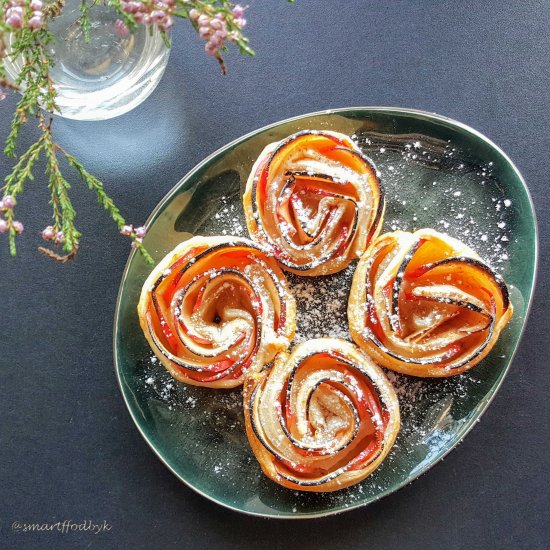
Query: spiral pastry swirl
x,y
315,200
424,304
321,418
215,309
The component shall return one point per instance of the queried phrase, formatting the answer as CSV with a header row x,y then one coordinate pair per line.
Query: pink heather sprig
x,y
155,12
137,235
214,26
18,15
218,22
7,205
49,233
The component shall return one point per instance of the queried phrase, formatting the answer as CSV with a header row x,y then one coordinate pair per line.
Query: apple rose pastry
x,y
315,200
216,308
321,418
424,304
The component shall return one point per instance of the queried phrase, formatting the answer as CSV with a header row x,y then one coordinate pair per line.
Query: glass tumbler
x,y
107,76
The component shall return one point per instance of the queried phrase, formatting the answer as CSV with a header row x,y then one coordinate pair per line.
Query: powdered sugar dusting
x,y
230,218
428,183
321,304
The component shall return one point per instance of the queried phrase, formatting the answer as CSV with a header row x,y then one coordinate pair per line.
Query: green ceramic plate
x,y
437,173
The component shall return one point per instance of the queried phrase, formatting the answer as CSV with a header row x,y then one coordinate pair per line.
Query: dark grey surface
x,y
68,448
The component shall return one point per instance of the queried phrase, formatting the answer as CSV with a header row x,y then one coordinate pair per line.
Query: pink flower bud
x,y
48,233
59,237
238,11
36,5
127,230
210,48
121,29
36,21
240,22
157,16
14,11
204,20
8,202
216,24
14,21
141,232
132,7
194,14
168,23
18,226
204,32
215,40
2,97
3,225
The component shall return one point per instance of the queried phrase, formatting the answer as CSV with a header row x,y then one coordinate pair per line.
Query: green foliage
x,y
38,94
85,19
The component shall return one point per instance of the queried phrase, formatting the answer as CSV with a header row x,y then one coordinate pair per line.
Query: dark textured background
x,y
68,448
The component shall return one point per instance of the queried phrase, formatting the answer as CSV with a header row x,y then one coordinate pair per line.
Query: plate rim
x,y
483,404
